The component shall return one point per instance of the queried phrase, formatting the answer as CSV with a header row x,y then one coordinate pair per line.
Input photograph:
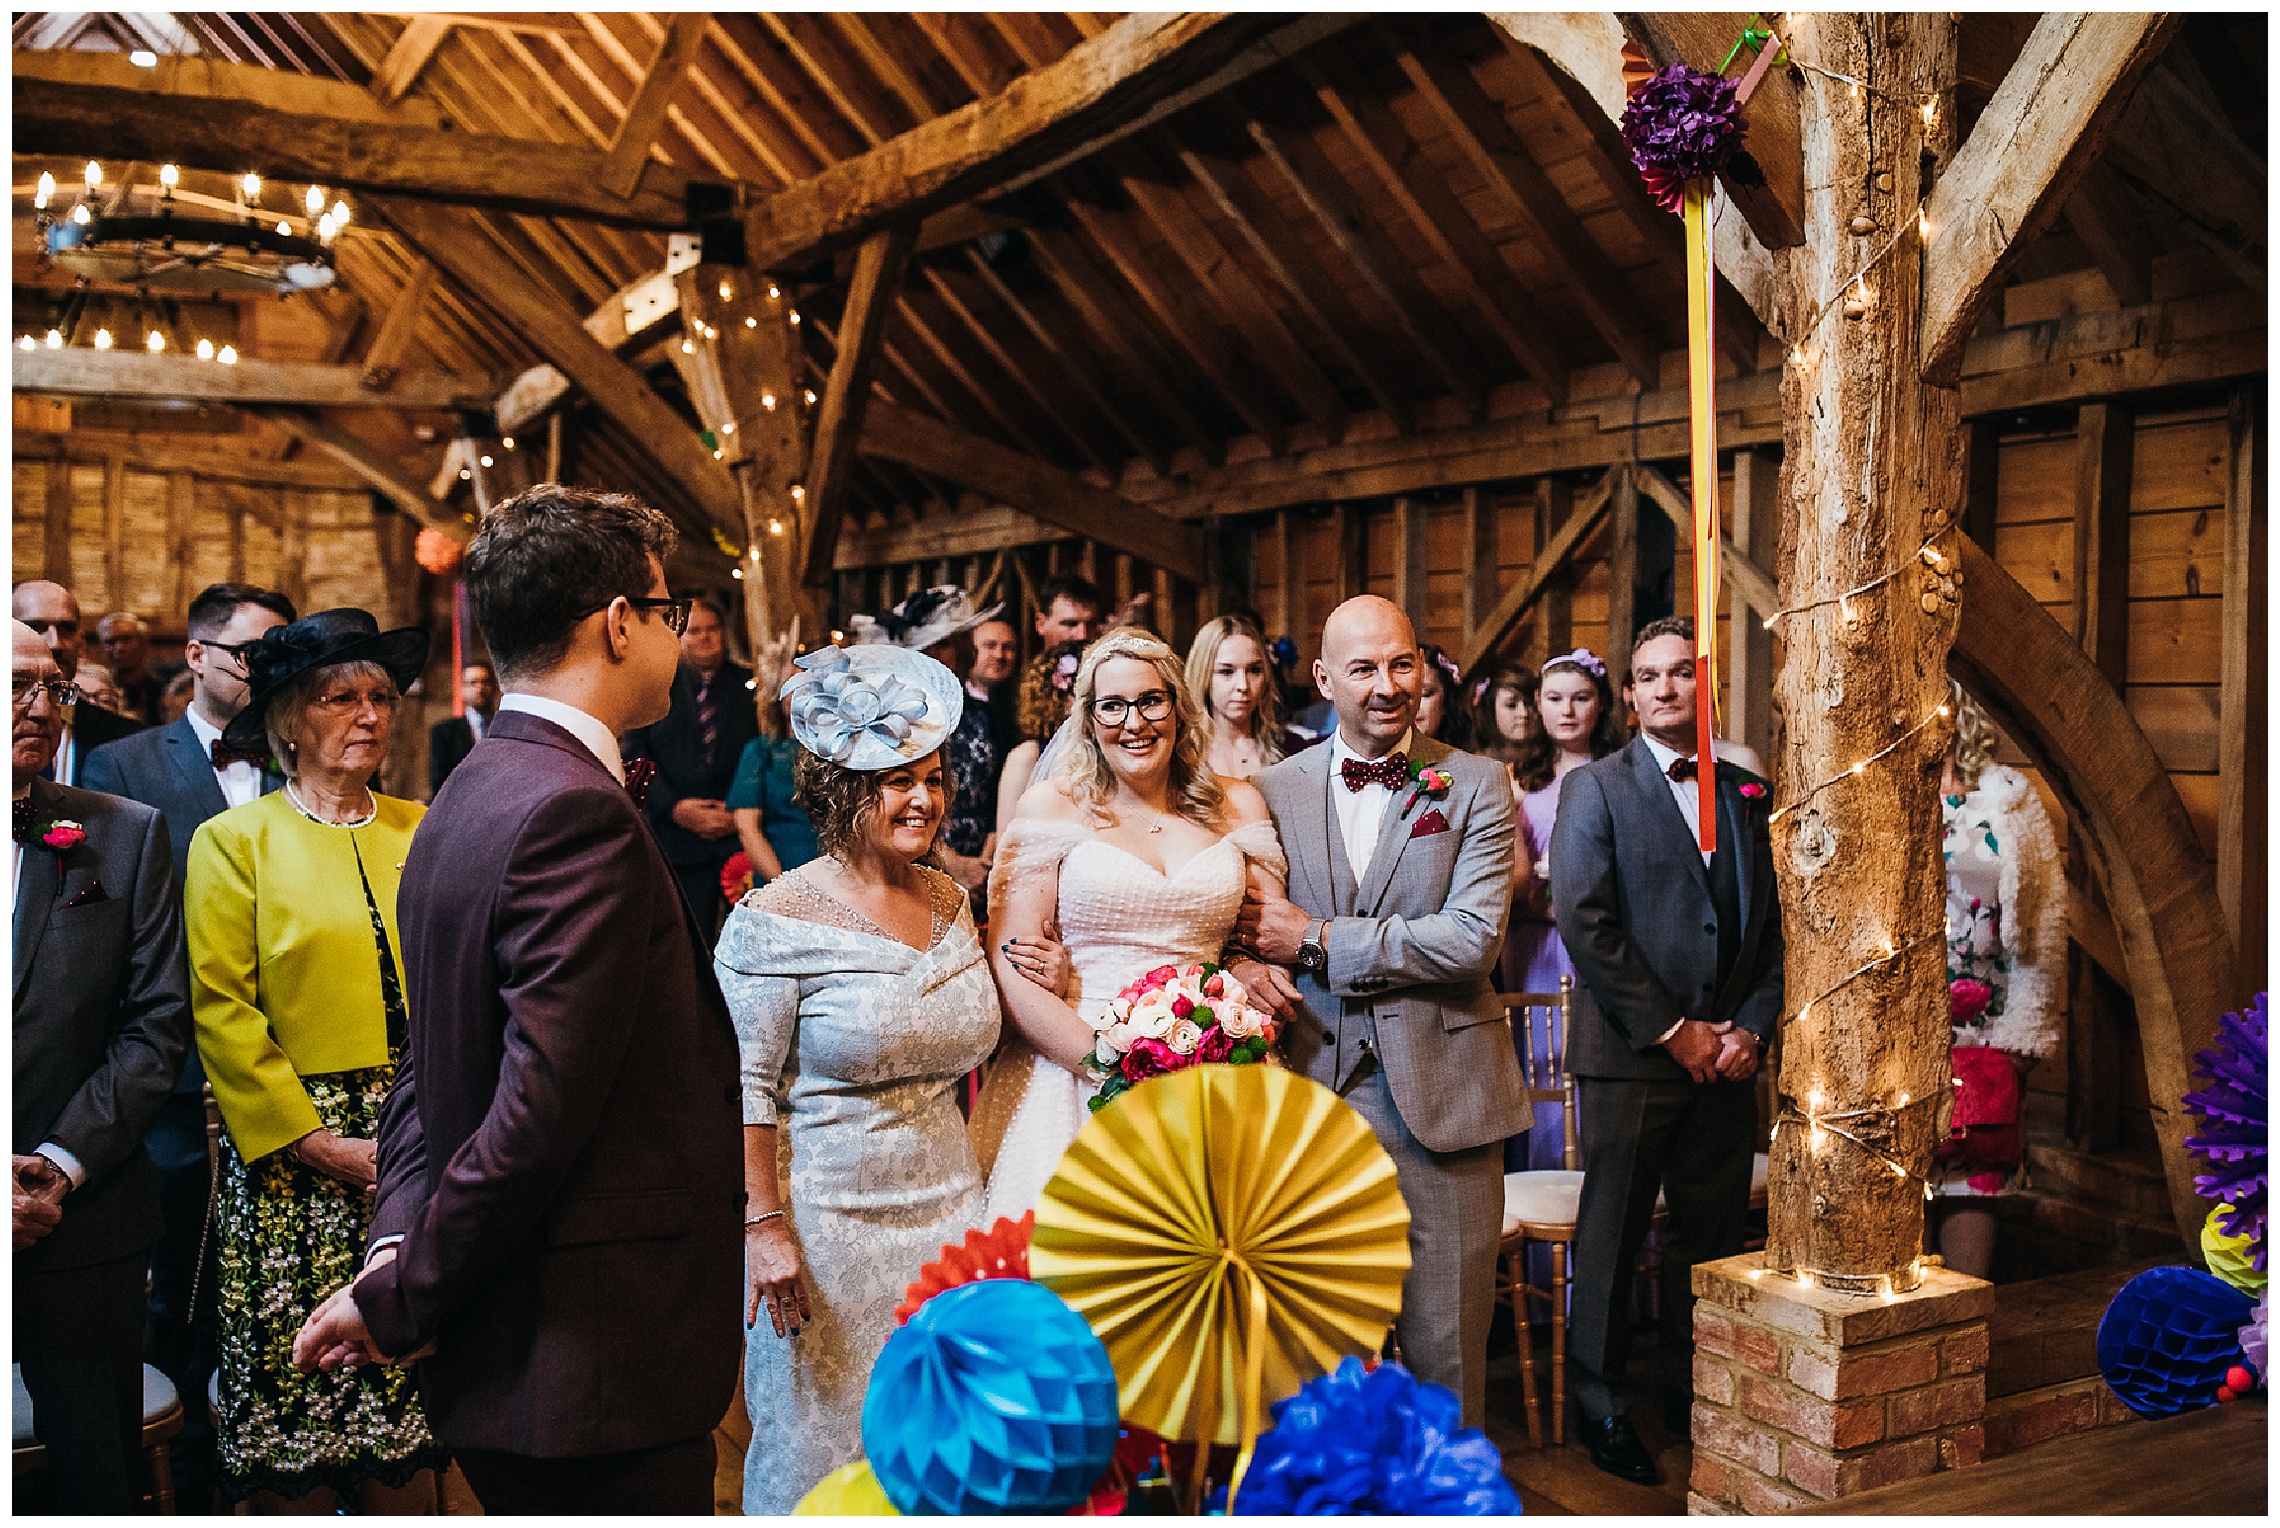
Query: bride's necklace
x,y
293,797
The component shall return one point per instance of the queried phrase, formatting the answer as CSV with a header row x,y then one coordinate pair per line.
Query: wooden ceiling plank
x,y
2106,218
969,386
1371,251
1294,267
1128,339
126,375
1479,127
2177,148
781,160
457,245
400,70
1029,35
871,302
1078,374
957,36
2008,181
370,157
1424,196
791,110
1036,487
1176,310
1238,299
1146,64
644,115
803,40
986,335
900,82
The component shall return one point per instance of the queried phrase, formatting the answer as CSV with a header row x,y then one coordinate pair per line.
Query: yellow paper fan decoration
x,y
1230,1232
849,1491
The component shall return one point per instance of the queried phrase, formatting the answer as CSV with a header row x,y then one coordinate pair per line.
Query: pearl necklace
x,y
293,797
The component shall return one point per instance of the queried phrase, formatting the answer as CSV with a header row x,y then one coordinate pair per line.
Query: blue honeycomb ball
x,y
994,1398
2167,1339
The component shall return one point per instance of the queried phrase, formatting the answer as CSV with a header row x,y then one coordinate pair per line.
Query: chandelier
x,y
168,237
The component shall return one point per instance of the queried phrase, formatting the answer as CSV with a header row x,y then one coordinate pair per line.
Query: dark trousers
x,y
79,1341
184,1341
674,1479
1692,1141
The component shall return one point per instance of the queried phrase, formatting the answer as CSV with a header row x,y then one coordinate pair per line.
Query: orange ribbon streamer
x,y
1703,404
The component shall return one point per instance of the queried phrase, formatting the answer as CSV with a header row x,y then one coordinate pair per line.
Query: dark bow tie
x,y
1392,772
228,753
1683,769
638,774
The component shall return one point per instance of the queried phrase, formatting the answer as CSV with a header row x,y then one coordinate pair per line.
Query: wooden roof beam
x,y
645,114
871,301
408,55
203,78
288,142
1036,487
135,376
2009,180
1433,209
379,469
1479,127
1139,71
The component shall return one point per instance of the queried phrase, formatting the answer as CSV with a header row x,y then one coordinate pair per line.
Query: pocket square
x,y
1429,824
88,896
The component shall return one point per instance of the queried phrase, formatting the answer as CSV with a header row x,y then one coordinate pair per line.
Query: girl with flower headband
x,y
1503,704
1442,712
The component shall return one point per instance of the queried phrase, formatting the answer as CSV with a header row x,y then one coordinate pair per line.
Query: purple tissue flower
x,y
1683,124
2235,1117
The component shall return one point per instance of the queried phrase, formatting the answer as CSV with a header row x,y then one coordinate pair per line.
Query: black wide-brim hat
x,y
318,641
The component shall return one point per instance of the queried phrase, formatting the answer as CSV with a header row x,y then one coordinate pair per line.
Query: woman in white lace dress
x,y
1139,854
861,998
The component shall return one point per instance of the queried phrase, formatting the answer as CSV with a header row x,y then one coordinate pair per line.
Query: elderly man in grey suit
x,y
1679,958
1400,881
101,1022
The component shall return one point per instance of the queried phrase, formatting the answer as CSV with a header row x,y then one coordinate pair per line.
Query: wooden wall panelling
x,y
114,539
2243,748
1480,561
27,513
1408,528
1982,453
1290,597
58,522
181,533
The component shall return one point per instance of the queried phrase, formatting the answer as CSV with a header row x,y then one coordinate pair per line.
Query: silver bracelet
x,y
763,1219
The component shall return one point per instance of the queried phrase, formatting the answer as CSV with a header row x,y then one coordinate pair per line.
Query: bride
x,y
1139,855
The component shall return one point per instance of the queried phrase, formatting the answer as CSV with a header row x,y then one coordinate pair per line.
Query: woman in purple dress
x,y
1579,722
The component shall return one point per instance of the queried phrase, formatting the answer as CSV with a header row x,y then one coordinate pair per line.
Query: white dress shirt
x,y
477,723
1361,814
595,734
241,782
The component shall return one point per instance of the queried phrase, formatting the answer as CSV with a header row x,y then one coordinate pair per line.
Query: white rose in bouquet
x,y
1184,1036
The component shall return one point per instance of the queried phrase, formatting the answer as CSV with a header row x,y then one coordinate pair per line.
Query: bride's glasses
x,y
1111,711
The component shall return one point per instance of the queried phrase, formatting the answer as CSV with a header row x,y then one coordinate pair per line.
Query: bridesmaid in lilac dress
x,y
1580,722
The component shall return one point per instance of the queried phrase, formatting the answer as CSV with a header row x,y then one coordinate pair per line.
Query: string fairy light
x,y
1890,954
1926,552
1861,766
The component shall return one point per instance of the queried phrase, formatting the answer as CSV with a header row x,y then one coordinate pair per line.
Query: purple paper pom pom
x,y
2235,1113
1683,124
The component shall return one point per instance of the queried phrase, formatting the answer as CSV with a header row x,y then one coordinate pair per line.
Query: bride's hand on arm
x,y
1035,1011
1043,960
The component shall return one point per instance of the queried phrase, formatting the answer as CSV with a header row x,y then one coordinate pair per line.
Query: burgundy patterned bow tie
x,y
1392,772
1683,769
638,774
226,754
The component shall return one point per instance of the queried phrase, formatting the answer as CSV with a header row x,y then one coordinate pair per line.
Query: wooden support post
x,y
1982,462
2104,434
1480,544
181,528
114,534
1622,573
398,325
2243,747
871,299
1872,463
1749,651
1290,589
1553,631
554,447
1346,547
1409,562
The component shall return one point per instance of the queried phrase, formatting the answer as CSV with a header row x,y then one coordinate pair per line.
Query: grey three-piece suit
x,y
1404,1025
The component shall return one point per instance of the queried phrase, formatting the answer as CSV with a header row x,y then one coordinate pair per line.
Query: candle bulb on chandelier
x,y
169,176
205,350
102,339
93,174
314,200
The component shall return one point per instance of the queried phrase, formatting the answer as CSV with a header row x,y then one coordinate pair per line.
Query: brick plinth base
x,y
1804,1394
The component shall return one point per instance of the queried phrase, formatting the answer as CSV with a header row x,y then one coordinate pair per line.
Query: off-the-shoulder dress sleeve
x,y
1262,846
765,1007
1029,850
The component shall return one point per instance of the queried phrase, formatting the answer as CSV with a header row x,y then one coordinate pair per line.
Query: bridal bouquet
x,y
1175,1017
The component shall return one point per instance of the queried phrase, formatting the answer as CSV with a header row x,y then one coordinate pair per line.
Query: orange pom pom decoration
x,y
1001,1252
437,553
1636,69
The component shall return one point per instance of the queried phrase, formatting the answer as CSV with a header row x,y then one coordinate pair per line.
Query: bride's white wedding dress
x,y
1120,918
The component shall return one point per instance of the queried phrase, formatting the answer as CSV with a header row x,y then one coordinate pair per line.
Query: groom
x,y
1400,880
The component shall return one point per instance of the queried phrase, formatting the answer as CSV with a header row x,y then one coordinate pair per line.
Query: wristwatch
x,y
1311,955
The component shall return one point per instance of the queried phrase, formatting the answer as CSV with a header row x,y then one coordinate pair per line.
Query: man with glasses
x,y
186,771
101,1023
52,611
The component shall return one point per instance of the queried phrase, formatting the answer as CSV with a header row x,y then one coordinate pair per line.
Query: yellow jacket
x,y
284,971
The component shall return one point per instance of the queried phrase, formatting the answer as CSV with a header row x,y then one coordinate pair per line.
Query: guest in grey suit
x,y
1679,955
1400,882
185,770
101,1022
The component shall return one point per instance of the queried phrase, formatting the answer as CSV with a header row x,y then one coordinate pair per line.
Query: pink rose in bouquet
x,y
1175,1017
1968,998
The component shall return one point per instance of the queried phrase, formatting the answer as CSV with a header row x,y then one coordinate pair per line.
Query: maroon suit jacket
x,y
562,1151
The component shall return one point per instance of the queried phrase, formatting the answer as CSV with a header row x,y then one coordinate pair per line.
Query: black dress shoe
x,y
1616,1448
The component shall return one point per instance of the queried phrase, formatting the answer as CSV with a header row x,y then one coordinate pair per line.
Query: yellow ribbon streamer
x,y
1702,391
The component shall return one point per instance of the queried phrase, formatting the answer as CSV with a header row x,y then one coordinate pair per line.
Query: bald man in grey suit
x,y
1399,891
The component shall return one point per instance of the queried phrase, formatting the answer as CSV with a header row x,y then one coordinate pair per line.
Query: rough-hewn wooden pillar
x,y
1872,465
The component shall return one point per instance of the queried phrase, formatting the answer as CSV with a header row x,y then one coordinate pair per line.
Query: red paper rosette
x,y
436,552
1001,1252
736,876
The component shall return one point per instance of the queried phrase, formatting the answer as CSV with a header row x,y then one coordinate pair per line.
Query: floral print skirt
x,y
288,1237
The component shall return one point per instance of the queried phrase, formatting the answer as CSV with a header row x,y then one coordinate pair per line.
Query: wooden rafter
x,y
1034,487
2010,179
400,70
174,378
378,469
992,339
384,358
879,268
2176,148
645,113
1080,376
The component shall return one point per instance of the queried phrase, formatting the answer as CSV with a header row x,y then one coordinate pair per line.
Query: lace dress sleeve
x,y
1028,851
765,1008
1262,846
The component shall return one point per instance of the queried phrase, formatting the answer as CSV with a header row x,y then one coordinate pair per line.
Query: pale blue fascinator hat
x,y
872,707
